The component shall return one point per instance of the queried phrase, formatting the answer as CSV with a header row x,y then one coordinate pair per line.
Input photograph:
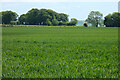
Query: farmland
x,y
54,52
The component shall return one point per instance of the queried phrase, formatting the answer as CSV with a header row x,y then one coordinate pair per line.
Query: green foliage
x,y
22,19
14,22
59,52
63,23
62,17
95,18
50,17
112,20
43,17
8,16
52,13
73,22
55,22
48,22
31,16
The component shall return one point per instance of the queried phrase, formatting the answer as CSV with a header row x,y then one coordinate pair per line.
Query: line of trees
x,y
50,17
96,19
37,17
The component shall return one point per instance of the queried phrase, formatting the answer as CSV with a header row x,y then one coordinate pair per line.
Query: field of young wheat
x,y
59,52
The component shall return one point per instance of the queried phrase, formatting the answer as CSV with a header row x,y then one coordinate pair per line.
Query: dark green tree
x,y
62,17
73,21
52,13
42,16
8,16
31,16
112,20
22,19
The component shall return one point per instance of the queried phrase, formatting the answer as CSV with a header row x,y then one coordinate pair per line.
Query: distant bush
x,y
73,21
85,24
14,22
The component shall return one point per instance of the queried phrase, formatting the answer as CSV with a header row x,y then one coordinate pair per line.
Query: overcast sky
x,y
74,8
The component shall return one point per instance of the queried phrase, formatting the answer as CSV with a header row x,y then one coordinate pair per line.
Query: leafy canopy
x,y
95,18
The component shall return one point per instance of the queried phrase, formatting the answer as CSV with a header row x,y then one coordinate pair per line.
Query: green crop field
x,y
59,52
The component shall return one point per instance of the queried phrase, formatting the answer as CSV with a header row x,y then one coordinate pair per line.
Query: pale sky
x,y
59,0
78,9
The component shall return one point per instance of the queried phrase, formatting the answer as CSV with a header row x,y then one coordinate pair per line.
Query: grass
x,y
59,52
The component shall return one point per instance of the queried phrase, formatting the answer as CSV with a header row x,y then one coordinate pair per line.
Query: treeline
x,y
51,18
96,19
37,17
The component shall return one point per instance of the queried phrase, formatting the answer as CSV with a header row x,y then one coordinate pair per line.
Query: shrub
x,y
85,24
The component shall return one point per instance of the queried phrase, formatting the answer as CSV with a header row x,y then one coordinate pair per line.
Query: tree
x,y
62,17
31,16
8,16
108,21
55,22
101,23
22,19
42,16
52,13
95,18
48,22
112,20
73,22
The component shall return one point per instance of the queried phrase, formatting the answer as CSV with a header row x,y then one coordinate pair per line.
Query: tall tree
x,y
8,16
52,13
31,16
95,18
112,20
22,19
43,16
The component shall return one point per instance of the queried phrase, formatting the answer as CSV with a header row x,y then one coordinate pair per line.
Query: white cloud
x,y
59,0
